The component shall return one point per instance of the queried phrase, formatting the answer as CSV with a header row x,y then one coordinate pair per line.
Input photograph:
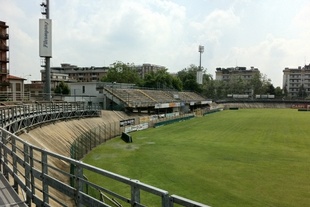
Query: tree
x,y
256,84
237,85
285,91
278,92
62,88
208,86
123,73
162,79
302,92
219,89
188,78
270,89
177,83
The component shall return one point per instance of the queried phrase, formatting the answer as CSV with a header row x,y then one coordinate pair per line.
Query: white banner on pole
x,y
45,37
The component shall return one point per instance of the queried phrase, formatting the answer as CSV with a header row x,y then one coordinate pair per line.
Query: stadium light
x,y
199,72
200,50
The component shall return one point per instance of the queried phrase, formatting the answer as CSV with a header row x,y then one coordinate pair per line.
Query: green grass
x,y
249,157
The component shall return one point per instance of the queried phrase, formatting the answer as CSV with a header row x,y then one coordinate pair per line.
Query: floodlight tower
x,y
200,50
45,46
199,72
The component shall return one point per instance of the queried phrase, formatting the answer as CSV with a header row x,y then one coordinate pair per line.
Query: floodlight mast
x,y
199,71
200,50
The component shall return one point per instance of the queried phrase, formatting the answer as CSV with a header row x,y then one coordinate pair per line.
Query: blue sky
x,y
267,34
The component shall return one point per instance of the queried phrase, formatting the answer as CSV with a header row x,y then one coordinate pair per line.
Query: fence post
x,y
44,172
79,184
166,200
13,140
33,187
5,155
135,193
27,172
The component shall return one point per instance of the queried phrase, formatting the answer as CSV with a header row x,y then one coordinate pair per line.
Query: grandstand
x,y
132,99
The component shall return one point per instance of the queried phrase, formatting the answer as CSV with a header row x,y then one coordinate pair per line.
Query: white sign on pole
x,y
45,37
199,77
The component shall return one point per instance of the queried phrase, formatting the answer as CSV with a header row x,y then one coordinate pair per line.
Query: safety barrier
x,y
171,121
34,172
212,111
17,117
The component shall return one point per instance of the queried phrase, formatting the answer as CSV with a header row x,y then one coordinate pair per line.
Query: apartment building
x,y
227,74
297,79
4,57
72,73
147,68
35,90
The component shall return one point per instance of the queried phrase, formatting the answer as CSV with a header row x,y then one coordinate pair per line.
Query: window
x,y
83,89
18,88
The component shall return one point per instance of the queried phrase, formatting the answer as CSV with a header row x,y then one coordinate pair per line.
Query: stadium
x,y
227,143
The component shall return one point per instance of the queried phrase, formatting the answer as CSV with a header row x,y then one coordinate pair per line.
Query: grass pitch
x,y
249,157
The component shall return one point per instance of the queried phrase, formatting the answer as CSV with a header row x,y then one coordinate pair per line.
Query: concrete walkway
x,y
8,196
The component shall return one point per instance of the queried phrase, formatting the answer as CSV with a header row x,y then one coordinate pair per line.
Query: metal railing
x,y
33,171
17,117
36,174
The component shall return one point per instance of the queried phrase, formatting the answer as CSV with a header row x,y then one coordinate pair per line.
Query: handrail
x,y
34,172
18,117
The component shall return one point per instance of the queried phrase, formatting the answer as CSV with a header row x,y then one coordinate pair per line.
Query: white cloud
x,y
163,32
216,23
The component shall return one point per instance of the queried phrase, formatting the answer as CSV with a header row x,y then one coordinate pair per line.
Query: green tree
x,y
285,92
278,92
256,84
237,85
62,88
177,83
220,89
162,79
188,78
208,86
123,73
270,89
302,92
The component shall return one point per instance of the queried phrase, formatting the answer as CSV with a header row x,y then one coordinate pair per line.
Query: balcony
x,y
4,48
4,84
4,60
4,71
4,36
